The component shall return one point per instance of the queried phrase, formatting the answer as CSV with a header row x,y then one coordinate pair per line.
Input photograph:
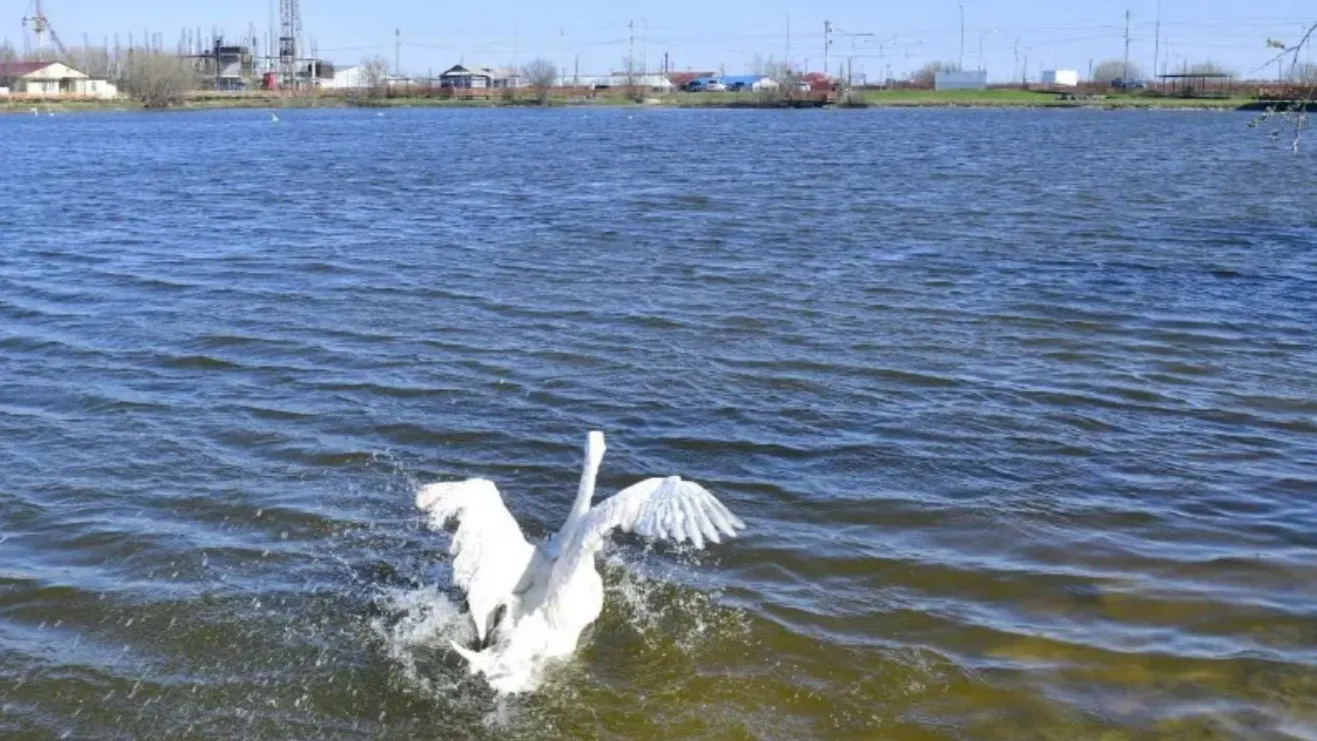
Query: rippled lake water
x,y
1020,408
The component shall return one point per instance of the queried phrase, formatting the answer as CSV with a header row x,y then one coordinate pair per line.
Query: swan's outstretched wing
x,y
665,508
490,555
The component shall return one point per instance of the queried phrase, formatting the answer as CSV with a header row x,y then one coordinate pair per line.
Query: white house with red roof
x,y
53,79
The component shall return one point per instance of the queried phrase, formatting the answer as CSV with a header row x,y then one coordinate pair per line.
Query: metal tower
x,y
290,35
40,25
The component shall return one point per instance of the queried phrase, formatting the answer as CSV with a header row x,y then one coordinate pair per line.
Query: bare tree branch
x,y
158,80
375,74
1291,115
541,75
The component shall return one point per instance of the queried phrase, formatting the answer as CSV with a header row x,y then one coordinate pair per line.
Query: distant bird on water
x,y
531,603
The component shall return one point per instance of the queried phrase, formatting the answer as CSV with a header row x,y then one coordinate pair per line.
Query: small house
x,y
461,77
53,79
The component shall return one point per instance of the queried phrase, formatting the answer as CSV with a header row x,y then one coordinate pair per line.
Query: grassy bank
x,y
1013,98
995,98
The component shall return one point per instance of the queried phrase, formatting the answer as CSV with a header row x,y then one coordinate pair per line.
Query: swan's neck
x,y
585,493
594,455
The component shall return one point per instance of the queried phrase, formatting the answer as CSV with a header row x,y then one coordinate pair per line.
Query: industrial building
x,y
1061,77
348,78
226,66
53,79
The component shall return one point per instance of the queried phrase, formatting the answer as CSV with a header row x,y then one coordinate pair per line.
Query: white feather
x,y
490,555
658,508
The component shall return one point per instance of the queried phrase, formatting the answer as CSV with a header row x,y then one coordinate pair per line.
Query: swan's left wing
x,y
663,508
490,555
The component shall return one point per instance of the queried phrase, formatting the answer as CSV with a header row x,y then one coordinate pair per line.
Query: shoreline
x,y
1011,99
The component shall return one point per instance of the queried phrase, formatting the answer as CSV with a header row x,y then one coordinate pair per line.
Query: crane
x,y
40,25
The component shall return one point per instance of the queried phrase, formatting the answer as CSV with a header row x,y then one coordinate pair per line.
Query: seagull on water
x,y
531,603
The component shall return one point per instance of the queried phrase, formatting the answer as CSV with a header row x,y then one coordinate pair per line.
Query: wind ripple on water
x,y
1026,451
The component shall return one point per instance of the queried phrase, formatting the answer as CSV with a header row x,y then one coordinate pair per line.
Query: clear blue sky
x,y
731,34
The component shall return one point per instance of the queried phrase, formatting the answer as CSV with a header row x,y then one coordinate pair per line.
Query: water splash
x,y
648,595
643,599
415,628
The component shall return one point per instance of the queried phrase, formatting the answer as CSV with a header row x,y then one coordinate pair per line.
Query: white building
x,y
350,78
1061,77
478,76
653,82
53,79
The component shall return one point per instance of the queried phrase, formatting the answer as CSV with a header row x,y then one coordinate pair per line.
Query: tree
x,y
158,80
375,74
784,86
1115,69
1291,116
541,75
928,73
1205,68
1304,74
95,61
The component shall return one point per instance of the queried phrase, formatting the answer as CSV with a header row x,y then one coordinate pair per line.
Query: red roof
x,y
21,69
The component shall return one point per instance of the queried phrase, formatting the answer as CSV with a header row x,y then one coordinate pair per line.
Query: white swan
x,y
530,603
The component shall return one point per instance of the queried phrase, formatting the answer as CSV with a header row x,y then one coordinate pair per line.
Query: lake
x,y
1020,408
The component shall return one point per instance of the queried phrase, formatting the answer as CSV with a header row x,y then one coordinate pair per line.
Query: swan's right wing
x,y
490,555
663,508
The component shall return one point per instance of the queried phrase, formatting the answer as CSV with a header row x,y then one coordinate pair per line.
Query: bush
x,y
158,80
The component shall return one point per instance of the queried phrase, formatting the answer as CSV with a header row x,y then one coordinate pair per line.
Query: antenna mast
x,y
290,34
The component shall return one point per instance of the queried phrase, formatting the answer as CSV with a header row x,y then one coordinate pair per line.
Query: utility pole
x,y
787,61
961,63
631,52
397,51
1125,73
827,42
1157,44
1017,59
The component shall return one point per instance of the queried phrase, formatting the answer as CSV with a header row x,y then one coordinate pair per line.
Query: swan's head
x,y
594,448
